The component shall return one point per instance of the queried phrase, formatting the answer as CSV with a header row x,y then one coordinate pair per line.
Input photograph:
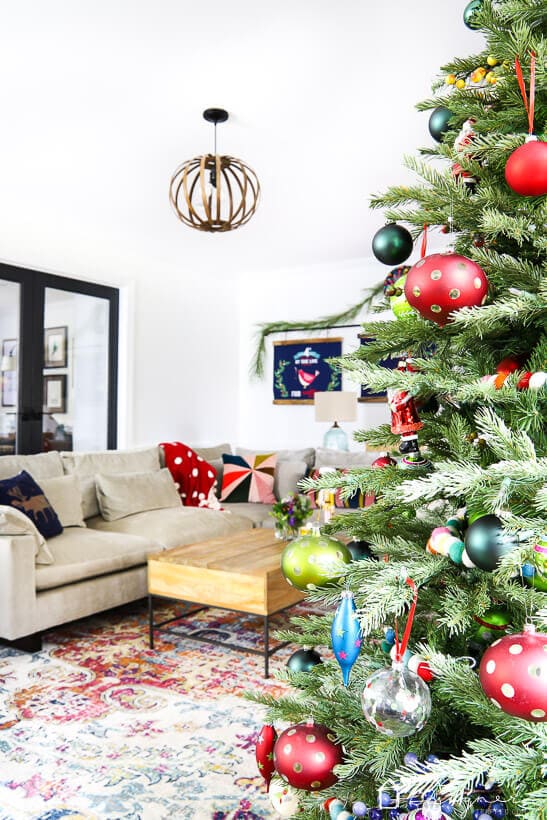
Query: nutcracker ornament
x,y
405,420
264,753
346,634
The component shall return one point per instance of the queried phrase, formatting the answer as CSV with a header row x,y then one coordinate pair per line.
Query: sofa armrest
x,y
17,586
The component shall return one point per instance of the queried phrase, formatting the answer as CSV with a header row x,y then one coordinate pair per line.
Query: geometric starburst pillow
x,y
249,478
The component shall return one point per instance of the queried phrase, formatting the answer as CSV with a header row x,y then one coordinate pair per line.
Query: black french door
x,y
59,362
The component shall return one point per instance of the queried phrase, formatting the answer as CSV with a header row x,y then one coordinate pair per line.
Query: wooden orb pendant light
x,y
212,192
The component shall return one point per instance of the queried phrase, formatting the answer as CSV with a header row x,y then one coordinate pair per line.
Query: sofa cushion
x,y
65,496
176,526
249,478
128,493
287,476
216,451
86,553
22,492
15,522
87,465
259,514
41,465
193,476
325,457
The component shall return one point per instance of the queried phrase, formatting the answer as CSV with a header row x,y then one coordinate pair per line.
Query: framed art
x,y
55,347
391,364
9,376
55,394
301,369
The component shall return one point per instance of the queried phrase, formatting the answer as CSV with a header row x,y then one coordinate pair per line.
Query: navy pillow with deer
x,y
22,492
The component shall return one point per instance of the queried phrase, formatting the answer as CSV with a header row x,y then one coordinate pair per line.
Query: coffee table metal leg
x,y
266,646
151,621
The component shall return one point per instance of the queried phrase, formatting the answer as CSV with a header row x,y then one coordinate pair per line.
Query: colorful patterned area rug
x,y
98,726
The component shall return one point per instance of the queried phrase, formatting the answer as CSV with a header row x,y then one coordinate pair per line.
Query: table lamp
x,y
335,406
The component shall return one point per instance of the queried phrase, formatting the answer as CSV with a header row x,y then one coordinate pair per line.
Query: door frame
x,y
33,285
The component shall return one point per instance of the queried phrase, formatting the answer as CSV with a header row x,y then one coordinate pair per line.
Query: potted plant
x,y
290,514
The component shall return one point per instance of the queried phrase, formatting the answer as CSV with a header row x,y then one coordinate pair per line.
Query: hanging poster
x,y
301,369
391,364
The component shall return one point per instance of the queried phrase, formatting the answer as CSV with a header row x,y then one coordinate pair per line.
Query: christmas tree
x,y
458,525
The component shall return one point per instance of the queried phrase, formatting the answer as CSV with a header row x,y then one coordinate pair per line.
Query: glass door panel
x,y
9,364
76,371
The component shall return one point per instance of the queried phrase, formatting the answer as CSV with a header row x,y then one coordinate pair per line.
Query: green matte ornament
x,y
469,12
486,542
392,244
399,303
313,561
438,122
492,624
303,660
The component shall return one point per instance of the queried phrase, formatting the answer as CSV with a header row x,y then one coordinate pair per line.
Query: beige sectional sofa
x,y
96,564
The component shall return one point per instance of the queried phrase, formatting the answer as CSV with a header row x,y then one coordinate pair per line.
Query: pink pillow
x,y
249,478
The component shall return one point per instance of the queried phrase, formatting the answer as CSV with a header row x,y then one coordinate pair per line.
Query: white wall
x,y
298,294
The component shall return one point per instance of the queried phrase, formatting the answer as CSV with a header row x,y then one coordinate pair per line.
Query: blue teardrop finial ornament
x,y
346,634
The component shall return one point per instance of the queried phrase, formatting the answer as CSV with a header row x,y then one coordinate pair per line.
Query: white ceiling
x,y
102,99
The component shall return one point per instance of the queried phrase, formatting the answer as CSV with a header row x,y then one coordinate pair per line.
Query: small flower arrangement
x,y
290,513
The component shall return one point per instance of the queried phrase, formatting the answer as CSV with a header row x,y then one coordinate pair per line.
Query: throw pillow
x,y
355,501
65,496
249,478
193,476
287,476
123,494
22,492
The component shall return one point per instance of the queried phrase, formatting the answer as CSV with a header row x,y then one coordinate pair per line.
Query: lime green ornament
x,y
398,301
313,561
492,624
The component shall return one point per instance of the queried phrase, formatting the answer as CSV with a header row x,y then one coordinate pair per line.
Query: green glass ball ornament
x,y
469,12
399,303
303,660
492,624
438,122
313,561
360,550
486,542
392,244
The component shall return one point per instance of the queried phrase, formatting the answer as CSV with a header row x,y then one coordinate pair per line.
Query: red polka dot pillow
x,y
194,477
249,478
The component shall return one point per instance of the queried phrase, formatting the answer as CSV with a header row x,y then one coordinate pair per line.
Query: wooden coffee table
x,y
240,572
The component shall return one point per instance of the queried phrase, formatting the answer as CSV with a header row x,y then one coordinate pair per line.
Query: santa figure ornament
x,y
441,283
404,416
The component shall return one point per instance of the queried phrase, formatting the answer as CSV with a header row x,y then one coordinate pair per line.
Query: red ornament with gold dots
x,y
305,756
513,674
443,282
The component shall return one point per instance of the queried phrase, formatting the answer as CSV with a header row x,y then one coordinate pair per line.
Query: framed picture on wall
x,y
366,394
55,394
301,369
55,347
9,372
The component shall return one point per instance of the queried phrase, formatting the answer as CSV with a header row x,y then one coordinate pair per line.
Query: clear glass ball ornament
x,y
396,701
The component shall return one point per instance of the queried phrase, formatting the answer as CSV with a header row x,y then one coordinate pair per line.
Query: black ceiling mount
x,y
215,115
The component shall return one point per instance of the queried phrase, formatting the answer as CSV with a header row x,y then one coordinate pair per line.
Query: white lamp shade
x,y
335,405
